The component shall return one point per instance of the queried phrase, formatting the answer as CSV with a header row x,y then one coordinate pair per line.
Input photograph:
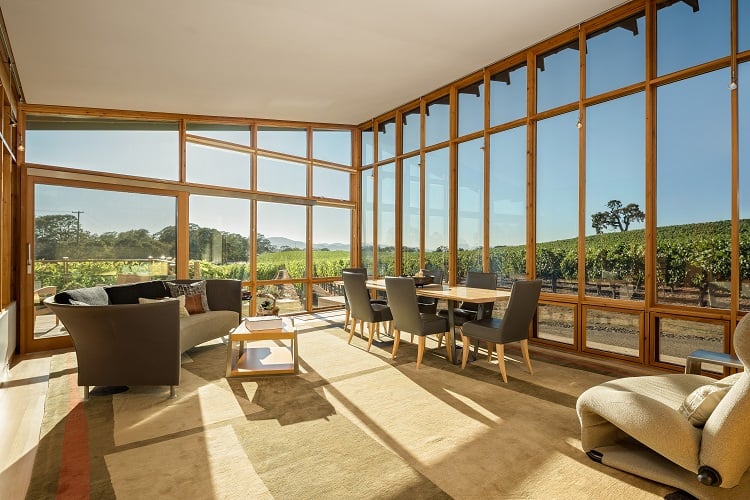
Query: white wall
x,y
7,339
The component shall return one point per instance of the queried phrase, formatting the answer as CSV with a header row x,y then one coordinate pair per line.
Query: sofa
x,y
121,341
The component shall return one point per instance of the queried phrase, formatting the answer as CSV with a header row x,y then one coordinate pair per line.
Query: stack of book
x,y
255,323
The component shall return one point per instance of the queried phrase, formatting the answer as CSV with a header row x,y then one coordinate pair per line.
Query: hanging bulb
x,y
579,124
733,86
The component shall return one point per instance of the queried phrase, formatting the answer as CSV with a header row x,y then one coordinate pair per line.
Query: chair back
x,y
360,270
357,295
436,274
475,279
524,298
402,299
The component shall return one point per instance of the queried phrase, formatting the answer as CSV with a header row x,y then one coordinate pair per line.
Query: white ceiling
x,y
328,61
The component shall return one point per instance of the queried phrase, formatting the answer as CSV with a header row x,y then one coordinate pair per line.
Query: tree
x,y
618,217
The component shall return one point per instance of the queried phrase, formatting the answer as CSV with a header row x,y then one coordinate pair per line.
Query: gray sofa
x,y
119,341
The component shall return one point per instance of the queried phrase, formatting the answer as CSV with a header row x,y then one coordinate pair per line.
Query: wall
x,y
7,339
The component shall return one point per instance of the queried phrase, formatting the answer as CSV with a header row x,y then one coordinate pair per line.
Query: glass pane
x,y
616,56
280,176
411,216
437,121
556,323
743,96
436,220
331,240
368,146
616,198
285,228
291,141
471,108
689,33
368,216
217,167
694,190
508,95
331,183
743,37
557,77
677,338
508,205
557,203
288,298
89,237
613,332
219,235
238,134
470,207
410,130
129,147
333,145
386,229
387,139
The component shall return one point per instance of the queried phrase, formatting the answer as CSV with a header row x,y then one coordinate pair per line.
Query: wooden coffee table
x,y
266,358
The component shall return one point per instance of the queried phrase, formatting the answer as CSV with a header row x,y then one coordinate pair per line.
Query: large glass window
x,y
284,241
89,237
217,167
508,205
367,179
331,183
410,129
743,96
610,331
411,214
471,108
470,222
386,139
237,134
368,146
118,146
556,322
280,176
386,229
557,77
219,234
691,33
437,121
743,35
333,145
291,141
437,203
615,198
331,240
616,56
676,338
693,191
508,95
557,203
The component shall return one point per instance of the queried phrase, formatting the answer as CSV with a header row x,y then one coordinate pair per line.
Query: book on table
x,y
256,323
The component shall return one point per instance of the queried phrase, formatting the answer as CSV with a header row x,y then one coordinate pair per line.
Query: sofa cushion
x,y
94,296
198,288
199,328
131,292
700,404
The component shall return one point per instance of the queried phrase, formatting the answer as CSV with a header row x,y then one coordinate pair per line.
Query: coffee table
x,y
265,356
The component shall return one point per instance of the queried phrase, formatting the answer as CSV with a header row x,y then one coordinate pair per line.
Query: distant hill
x,y
280,241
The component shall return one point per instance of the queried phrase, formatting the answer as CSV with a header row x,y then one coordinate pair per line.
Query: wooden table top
x,y
457,293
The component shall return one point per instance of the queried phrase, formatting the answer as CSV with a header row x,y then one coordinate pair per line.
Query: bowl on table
x,y
421,280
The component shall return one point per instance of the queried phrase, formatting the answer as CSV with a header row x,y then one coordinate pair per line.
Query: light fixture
x,y
579,123
733,82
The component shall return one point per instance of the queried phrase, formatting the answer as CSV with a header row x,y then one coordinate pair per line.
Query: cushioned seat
x,y
362,308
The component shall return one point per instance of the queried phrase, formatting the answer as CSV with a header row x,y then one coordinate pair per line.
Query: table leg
x,y
451,340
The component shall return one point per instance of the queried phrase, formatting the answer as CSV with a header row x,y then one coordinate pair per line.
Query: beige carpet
x,y
352,425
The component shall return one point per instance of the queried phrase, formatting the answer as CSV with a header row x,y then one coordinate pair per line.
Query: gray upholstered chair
x,y
362,271
513,327
642,425
467,311
361,308
429,304
402,297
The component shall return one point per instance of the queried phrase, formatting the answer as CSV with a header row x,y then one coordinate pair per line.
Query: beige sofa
x,y
121,342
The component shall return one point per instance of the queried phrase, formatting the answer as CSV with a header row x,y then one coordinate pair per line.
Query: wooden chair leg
x,y
490,349
371,327
440,340
465,351
525,352
352,327
420,350
377,330
501,361
396,340
412,338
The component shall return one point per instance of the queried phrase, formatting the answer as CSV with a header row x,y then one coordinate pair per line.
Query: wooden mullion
x,y
650,333
736,281
487,188
453,190
581,124
422,184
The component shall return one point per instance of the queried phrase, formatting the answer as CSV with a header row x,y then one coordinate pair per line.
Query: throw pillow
x,y
188,289
193,304
700,404
181,299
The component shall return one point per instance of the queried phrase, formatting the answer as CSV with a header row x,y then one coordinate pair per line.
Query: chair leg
x,y
420,350
346,319
352,327
377,331
371,327
465,351
440,340
412,338
490,350
525,352
396,340
501,361
172,393
85,393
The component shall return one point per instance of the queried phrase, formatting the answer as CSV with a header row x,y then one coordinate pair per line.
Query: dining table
x,y
453,295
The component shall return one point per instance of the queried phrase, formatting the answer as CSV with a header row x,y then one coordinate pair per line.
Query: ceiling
x,y
325,61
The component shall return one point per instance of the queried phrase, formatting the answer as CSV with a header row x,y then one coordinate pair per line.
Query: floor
x,y
22,400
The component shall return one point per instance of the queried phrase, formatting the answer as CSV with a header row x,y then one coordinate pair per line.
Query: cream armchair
x,y
639,425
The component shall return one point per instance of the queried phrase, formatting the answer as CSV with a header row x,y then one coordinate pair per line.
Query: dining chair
x,y
402,297
362,309
429,304
513,327
362,271
467,311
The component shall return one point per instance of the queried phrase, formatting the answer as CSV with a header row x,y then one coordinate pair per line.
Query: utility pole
x,y
78,228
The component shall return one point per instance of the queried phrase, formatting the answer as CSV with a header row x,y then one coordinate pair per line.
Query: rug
x,y
353,424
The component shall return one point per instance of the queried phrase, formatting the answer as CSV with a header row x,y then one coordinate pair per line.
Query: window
x,y
333,145
280,176
437,121
284,241
743,36
331,240
557,77
471,108
743,96
556,323
331,183
219,235
386,139
612,331
237,134
508,95
411,216
218,167
368,146
410,127
436,220
470,222
676,338
291,141
386,228
616,56
367,178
